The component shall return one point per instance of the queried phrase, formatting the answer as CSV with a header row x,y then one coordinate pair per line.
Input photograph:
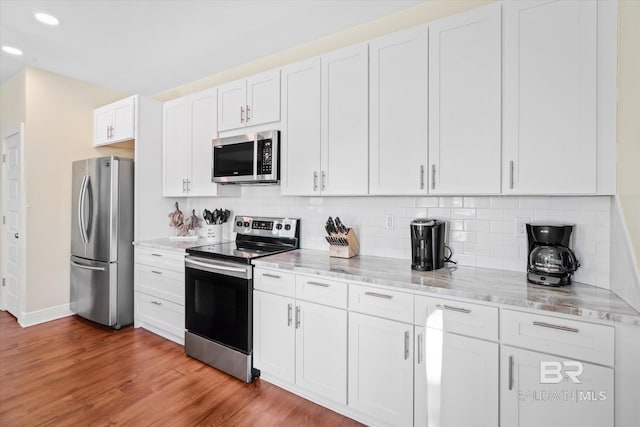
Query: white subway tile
x,y
504,202
476,202
519,213
490,262
490,238
477,249
516,265
455,224
450,202
603,218
596,203
586,247
426,202
541,215
490,214
463,213
505,227
439,213
475,225
415,212
564,203
463,236
465,259
533,202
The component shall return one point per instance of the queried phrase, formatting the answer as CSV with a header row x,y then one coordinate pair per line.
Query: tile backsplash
x,y
480,230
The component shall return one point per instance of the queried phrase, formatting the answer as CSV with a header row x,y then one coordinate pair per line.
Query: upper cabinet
x,y
550,84
465,102
114,122
398,112
249,102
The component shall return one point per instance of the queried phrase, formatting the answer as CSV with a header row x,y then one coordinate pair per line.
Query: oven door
x,y
219,302
234,159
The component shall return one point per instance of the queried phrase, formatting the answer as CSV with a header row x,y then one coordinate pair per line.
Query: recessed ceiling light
x,y
12,50
45,18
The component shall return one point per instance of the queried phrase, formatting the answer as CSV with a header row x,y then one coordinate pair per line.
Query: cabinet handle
x,y
188,185
510,372
297,316
422,177
433,177
184,185
156,272
315,180
289,313
419,349
458,309
511,174
241,114
322,285
156,255
406,345
272,276
154,302
561,328
248,110
377,295
324,180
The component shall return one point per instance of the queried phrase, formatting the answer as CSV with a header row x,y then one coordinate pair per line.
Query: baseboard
x,y
46,315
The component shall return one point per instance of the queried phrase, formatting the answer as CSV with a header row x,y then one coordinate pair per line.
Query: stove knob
x,y
278,226
246,223
239,223
287,227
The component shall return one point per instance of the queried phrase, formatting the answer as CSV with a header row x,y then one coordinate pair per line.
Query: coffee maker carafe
x,y
550,261
427,244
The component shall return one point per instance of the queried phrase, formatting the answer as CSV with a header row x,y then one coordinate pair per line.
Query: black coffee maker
x,y
551,262
427,244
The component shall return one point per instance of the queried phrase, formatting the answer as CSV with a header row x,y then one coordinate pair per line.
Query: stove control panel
x,y
266,226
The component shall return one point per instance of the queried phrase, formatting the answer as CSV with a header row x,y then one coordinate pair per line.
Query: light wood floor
x,y
70,372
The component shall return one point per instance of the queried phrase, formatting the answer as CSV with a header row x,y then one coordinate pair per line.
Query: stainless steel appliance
x,y
101,240
427,244
550,262
219,292
247,159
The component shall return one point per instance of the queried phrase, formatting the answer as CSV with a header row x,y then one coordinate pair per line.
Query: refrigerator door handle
x,y
81,224
86,267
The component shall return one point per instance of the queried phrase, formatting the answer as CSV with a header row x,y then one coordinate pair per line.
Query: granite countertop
x,y
507,288
172,244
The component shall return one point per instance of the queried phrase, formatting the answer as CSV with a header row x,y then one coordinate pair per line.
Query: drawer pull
x,y
289,313
377,295
271,276
510,372
156,254
297,316
156,302
322,285
406,345
419,349
458,309
156,272
561,328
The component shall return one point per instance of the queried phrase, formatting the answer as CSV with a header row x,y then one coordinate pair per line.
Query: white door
x,y
13,250
321,350
274,335
204,129
300,150
345,121
176,140
465,102
398,128
232,105
381,368
525,401
102,121
124,120
550,97
263,98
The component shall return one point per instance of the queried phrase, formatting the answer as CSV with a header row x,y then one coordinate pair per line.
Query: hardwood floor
x,y
70,372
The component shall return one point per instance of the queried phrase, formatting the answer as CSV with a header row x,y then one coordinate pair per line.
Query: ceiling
x,y
149,46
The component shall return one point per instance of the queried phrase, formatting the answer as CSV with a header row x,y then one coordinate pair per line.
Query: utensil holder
x,y
212,232
343,245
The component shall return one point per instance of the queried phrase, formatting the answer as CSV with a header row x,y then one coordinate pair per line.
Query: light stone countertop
x,y
172,244
507,288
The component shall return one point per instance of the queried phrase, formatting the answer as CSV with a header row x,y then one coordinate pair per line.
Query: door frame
x,y
20,129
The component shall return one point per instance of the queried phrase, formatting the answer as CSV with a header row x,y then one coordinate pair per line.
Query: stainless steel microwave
x,y
247,159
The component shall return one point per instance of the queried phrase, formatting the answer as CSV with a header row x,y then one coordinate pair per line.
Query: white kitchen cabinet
x,y
381,368
345,122
249,102
465,102
398,110
114,122
300,136
549,119
526,401
189,126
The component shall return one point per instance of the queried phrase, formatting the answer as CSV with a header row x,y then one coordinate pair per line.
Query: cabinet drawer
x,y
275,281
322,291
161,259
479,321
381,302
161,314
160,282
567,338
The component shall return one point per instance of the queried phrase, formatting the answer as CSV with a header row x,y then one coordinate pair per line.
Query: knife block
x,y
348,250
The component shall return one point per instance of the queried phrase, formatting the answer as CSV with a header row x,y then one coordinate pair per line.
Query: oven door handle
x,y
215,266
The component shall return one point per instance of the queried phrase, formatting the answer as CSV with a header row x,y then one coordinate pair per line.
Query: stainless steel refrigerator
x,y
101,240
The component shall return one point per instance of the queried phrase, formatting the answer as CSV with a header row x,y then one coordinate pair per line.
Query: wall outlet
x,y
520,226
388,222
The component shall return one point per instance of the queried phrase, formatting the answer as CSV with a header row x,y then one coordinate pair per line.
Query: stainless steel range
x,y
219,292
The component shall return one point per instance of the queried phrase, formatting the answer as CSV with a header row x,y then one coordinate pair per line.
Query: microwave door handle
x,y
255,156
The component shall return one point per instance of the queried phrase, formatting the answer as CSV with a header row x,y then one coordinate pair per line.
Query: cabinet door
x,y
232,106
204,112
456,372
263,98
176,140
102,120
345,121
550,97
526,401
300,138
381,368
398,128
274,335
124,120
321,350
465,102
420,379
